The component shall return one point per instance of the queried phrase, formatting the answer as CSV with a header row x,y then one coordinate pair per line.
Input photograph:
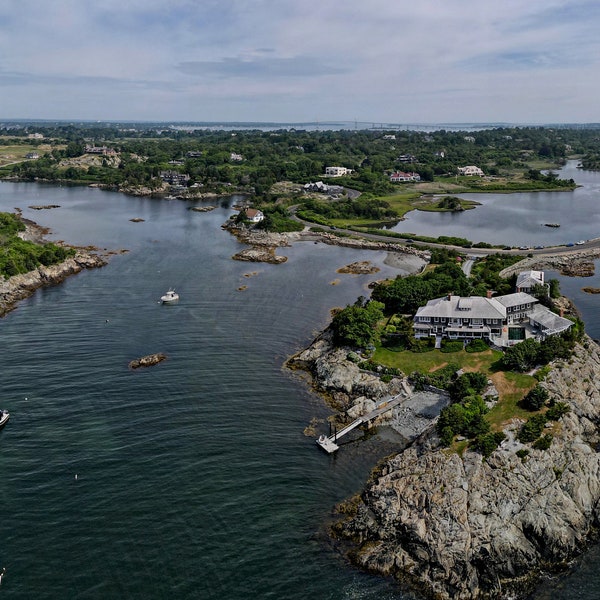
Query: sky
x,y
381,61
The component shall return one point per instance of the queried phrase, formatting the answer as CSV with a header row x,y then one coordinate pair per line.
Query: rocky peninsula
x,y
463,526
19,287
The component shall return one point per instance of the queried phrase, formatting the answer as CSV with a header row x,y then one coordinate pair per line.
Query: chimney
x,y
561,312
449,297
488,294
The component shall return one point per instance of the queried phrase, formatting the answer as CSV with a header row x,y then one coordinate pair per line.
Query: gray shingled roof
x,y
516,299
549,320
480,308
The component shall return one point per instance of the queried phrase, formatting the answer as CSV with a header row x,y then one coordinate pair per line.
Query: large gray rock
x,y
470,528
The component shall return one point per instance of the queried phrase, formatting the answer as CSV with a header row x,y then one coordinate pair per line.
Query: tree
x,y
535,398
521,357
356,325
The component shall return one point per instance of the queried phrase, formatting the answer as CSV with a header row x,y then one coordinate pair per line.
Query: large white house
x,y
470,170
401,176
337,171
503,320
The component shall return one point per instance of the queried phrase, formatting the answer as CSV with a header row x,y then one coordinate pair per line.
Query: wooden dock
x,y
329,444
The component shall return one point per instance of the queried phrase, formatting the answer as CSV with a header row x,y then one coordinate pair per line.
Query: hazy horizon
x,y
277,61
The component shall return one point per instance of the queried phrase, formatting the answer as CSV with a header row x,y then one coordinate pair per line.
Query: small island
x,y
147,361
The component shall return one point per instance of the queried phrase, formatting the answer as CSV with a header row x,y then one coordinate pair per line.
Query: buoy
x,y
75,476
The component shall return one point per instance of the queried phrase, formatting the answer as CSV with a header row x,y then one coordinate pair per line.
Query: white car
x,y
580,243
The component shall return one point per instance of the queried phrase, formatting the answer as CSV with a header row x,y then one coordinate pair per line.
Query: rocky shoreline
x,y
19,287
465,527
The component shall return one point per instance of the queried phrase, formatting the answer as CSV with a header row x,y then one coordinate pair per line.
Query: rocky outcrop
x,y
147,361
19,287
465,527
571,264
339,378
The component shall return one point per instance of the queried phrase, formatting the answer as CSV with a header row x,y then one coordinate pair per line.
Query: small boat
x,y
170,297
4,416
552,224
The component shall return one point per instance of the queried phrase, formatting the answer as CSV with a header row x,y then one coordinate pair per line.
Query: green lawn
x,y
511,386
426,362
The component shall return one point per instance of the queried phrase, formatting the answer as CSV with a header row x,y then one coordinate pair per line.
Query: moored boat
x,y
552,224
4,416
170,297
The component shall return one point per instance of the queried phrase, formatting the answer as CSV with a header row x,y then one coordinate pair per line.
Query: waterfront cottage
x,y
254,215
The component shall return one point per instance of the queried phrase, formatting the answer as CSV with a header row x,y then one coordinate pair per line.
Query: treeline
x,y
294,155
19,256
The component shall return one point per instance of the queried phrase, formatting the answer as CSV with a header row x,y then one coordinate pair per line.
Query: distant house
x,y
174,177
32,155
503,320
254,215
407,158
527,280
337,171
35,136
470,170
469,138
99,150
317,186
389,136
401,176
236,157
194,154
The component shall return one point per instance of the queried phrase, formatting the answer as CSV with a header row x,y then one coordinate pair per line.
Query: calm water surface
x,y
194,478
518,219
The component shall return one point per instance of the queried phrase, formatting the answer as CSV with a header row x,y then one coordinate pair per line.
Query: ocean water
x,y
192,479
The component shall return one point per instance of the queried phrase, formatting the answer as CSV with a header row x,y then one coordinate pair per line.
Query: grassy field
x,y
511,386
427,362
16,153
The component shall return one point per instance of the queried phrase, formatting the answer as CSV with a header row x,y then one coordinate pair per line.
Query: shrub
x,y
557,410
535,398
532,429
477,345
543,443
451,346
488,442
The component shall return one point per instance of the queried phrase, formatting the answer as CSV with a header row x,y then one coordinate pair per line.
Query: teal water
x,y
194,478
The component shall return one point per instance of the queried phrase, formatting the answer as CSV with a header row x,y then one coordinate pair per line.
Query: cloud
x,y
264,67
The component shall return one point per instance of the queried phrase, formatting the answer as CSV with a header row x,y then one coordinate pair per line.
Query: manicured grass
x,y
426,362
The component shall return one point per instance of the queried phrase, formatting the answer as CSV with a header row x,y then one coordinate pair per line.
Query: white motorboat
x,y
4,416
170,297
